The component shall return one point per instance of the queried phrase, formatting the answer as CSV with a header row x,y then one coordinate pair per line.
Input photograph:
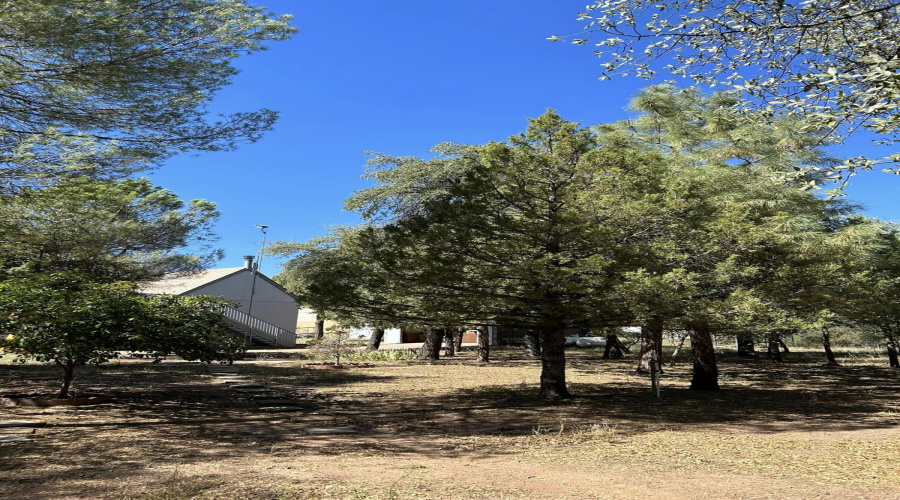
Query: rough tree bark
x,y
745,346
375,339
892,355
775,350
457,341
614,347
826,343
532,344
450,338
891,346
431,349
651,342
320,327
705,375
784,346
678,349
68,374
553,364
484,345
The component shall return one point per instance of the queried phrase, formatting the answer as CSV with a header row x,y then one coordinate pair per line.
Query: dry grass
x,y
456,430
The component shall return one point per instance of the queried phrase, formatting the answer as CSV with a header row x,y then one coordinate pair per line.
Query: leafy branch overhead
x,y
833,61
113,87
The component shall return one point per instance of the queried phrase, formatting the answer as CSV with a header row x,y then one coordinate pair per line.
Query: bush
x,y
386,355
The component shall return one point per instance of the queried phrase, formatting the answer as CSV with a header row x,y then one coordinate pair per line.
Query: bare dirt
x,y
458,430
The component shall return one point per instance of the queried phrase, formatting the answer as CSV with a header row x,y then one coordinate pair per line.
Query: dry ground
x,y
456,430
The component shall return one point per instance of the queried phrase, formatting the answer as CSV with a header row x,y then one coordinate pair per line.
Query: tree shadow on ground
x,y
176,413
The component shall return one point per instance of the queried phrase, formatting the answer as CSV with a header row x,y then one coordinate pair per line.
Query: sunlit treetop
x,y
120,85
835,61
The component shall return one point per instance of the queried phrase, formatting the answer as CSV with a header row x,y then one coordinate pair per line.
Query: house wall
x,y
306,321
270,303
391,335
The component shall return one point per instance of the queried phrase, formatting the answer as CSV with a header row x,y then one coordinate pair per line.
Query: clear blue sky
x,y
398,77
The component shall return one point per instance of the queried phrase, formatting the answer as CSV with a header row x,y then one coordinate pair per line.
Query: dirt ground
x,y
458,430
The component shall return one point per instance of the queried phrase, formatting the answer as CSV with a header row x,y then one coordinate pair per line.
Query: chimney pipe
x,y
248,262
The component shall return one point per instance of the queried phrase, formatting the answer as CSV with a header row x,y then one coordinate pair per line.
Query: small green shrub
x,y
386,355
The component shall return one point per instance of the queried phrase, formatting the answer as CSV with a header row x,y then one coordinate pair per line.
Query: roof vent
x,y
248,262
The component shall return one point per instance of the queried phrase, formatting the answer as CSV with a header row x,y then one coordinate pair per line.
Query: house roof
x,y
180,283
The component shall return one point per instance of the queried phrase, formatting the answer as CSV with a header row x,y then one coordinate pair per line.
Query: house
x,y
407,335
265,312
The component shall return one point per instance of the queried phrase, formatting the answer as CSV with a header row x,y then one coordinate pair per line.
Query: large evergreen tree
x,y
561,227
110,230
112,87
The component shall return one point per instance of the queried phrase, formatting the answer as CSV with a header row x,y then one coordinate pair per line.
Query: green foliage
x,y
834,61
716,130
71,321
107,88
669,217
111,230
382,355
871,297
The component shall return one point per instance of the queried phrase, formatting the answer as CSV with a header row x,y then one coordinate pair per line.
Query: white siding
x,y
270,303
391,335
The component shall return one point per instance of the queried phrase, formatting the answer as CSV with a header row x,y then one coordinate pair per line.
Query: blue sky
x,y
398,77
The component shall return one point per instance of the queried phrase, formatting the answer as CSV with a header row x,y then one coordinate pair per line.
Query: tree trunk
x,y
450,338
678,349
532,344
68,374
651,345
553,364
784,346
705,375
891,346
613,348
484,345
458,340
745,346
826,343
320,327
775,351
431,349
375,339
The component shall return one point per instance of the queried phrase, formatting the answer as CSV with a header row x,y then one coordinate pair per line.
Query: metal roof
x,y
180,283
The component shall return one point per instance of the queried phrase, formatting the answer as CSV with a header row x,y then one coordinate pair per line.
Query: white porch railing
x,y
259,328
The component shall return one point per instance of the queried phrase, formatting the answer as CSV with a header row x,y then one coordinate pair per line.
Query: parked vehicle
x,y
577,339
590,341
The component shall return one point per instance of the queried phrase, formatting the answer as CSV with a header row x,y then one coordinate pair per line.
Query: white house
x,y
266,311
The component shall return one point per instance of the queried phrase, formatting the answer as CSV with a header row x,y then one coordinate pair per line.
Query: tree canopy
x,y
569,227
835,61
71,320
110,230
113,87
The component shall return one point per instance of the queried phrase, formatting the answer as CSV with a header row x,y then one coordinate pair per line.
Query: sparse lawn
x,y
456,430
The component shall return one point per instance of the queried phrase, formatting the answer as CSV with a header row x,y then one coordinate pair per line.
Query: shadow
x,y
176,413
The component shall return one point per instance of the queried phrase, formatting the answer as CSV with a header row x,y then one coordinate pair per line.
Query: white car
x,y
574,339
590,341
